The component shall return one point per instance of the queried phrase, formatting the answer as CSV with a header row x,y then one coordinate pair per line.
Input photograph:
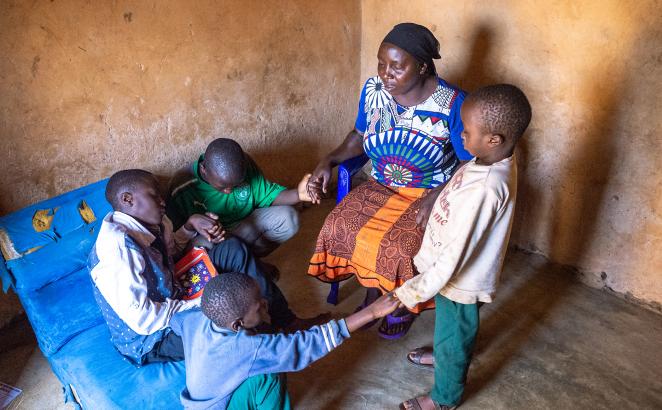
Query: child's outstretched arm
x,y
294,196
381,307
292,352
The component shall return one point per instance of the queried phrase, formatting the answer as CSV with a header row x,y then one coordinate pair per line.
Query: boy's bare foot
x,y
306,323
424,403
422,357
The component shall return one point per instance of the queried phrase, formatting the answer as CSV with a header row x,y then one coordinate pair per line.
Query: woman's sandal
x,y
414,404
414,357
391,321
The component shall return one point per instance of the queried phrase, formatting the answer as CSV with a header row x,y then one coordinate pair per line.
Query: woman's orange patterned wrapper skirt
x,y
372,234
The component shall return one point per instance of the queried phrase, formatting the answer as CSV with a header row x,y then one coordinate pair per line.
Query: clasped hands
x,y
206,225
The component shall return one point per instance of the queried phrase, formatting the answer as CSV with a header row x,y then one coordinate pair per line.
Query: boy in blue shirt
x,y
229,366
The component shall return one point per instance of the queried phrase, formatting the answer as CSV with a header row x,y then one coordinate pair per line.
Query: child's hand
x,y
206,225
386,304
379,308
302,189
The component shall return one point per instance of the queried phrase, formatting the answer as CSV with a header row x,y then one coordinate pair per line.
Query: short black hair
x,y
504,108
225,158
227,297
126,181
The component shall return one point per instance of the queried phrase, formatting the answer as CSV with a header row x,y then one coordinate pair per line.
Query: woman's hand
x,y
351,147
206,225
425,208
319,181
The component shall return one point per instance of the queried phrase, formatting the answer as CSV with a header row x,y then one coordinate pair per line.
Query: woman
x,y
408,123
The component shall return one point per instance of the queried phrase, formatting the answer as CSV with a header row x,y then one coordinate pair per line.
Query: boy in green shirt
x,y
225,181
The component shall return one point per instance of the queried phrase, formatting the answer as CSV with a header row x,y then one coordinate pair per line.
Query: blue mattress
x,y
44,253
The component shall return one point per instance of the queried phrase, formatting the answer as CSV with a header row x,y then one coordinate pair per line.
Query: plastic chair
x,y
345,172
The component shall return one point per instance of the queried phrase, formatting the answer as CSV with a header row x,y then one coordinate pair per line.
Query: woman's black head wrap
x,y
417,41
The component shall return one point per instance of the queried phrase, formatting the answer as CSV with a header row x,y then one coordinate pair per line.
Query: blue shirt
x,y
218,360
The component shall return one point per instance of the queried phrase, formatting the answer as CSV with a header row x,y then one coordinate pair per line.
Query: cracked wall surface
x,y
590,192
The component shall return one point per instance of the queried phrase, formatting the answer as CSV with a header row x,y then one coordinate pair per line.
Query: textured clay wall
x,y
88,88
590,169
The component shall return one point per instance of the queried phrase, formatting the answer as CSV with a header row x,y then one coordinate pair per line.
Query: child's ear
x,y
496,139
126,199
237,325
424,68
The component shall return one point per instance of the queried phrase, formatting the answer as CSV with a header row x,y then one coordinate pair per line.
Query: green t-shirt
x,y
197,197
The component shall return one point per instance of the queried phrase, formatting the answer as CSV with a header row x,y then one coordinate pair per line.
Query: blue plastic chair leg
x,y
332,299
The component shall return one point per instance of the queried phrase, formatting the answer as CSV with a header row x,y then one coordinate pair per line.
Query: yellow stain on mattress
x,y
42,219
86,212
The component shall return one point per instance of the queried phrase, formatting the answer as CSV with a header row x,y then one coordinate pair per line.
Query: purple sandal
x,y
406,320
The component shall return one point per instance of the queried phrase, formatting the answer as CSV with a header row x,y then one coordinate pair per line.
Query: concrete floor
x,y
547,342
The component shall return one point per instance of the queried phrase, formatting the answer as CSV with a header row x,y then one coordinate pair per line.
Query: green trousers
x,y
455,329
263,392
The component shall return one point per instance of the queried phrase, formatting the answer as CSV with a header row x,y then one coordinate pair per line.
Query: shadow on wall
x,y
476,71
278,162
587,171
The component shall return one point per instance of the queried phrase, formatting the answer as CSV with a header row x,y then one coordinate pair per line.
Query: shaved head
x,y
126,181
225,159
504,109
228,297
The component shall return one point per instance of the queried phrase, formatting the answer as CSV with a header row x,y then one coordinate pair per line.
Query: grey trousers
x,y
266,228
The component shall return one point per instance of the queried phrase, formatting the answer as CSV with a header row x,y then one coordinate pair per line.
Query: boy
x,y
131,266
466,238
229,366
227,182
